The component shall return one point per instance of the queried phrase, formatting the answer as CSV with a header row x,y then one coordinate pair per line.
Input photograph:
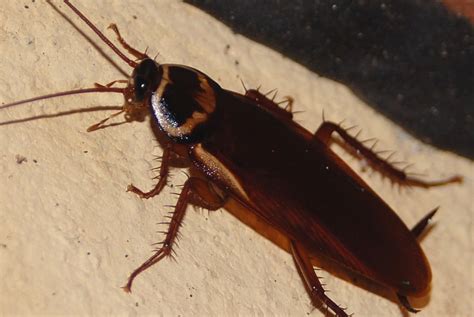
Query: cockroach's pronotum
x,y
247,154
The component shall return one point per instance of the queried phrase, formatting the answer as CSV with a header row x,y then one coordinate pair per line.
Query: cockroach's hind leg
x,y
192,188
324,134
263,101
208,196
418,229
404,301
139,55
311,280
162,177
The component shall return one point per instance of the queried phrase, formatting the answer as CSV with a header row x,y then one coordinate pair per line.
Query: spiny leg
x,y
324,134
162,177
125,45
270,105
193,189
311,280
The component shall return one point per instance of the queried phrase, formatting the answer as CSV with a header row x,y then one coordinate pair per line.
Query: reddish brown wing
x,y
303,189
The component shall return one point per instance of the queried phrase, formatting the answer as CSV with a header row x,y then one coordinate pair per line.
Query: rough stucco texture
x,y
70,234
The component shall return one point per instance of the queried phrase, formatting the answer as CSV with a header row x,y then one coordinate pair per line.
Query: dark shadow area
x,y
412,60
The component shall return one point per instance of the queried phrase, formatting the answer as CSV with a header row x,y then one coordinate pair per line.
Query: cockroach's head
x,y
142,83
180,99
144,80
182,102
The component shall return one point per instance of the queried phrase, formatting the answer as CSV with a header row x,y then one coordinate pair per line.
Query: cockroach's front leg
x,y
311,280
162,177
194,190
324,134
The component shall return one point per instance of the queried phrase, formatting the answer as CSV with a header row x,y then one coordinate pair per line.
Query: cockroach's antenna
x,y
94,127
126,92
65,93
101,35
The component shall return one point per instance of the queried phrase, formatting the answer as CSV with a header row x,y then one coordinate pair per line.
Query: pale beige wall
x,y
70,234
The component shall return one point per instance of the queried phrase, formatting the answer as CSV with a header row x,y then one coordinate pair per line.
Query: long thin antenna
x,y
65,93
101,35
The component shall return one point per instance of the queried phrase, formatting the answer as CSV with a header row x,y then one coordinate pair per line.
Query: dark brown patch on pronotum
x,y
246,153
180,86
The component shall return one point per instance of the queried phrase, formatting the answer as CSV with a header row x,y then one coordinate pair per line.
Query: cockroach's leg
x,y
311,280
208,196
270,105
193,189
100,125
421,225
404,301
139,55
162,177
324,134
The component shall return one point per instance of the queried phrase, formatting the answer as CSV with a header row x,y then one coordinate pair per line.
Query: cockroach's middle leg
x,y
324,134
311,280
194,190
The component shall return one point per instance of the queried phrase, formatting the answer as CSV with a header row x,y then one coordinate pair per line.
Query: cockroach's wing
x,y
301,188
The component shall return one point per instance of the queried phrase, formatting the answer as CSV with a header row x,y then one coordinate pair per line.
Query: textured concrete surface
x,y
70,234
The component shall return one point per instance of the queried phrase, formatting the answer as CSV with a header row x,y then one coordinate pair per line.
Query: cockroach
x,y
247,154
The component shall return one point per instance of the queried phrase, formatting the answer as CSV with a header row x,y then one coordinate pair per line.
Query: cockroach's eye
x,y
145,79
141,88
183,103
